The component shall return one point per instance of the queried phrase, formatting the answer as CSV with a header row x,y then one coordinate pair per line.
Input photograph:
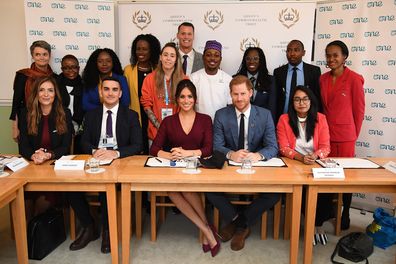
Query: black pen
x,y
160,161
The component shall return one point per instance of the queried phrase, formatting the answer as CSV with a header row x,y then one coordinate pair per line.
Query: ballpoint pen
x,y
157,159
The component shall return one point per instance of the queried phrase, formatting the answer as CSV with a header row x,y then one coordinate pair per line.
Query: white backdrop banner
x,y
71,27
369,30
237,25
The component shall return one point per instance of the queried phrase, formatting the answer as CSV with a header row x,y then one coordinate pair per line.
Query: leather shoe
x,y
105,247
227,232
238,241
86,235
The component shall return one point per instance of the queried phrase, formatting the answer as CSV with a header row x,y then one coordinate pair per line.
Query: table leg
x,y
126,221
138,208
286,229
112,216
295,220
19,220
310,214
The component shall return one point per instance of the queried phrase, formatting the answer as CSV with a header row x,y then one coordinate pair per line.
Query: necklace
x,y
144,68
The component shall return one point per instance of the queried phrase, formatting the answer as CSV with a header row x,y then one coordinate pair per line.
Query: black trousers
x,y
80,206
251,212
324,207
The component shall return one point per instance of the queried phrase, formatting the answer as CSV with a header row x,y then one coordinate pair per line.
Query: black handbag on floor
x,y
45,233
355,246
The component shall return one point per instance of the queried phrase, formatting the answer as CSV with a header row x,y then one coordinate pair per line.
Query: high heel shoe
x,y
214,250
205,248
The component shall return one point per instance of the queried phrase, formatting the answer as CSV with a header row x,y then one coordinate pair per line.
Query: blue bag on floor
x,y
382,229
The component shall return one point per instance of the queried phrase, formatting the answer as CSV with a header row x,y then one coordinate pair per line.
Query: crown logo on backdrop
x,y
141,19
247,43
213,19
289,18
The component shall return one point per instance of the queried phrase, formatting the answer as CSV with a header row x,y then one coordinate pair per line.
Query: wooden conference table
x,y
269,179
356,180
45,178
12,193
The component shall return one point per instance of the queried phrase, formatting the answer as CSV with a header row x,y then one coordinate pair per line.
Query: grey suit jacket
x,y
261,131
198,62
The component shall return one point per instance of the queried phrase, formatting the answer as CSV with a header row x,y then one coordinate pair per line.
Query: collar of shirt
x,y
246,113
114,112
299,67
190,60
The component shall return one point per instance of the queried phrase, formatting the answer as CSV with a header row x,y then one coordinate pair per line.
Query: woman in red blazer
x,y
343,104
303,134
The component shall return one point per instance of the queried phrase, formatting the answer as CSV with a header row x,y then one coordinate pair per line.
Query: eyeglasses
x,y
255,59
298,100
70,68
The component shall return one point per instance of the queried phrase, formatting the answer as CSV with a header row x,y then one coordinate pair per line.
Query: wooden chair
x,y
93,201
277,213
158,199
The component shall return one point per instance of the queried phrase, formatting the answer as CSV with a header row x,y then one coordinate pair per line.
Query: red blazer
x,y
343,104
287,139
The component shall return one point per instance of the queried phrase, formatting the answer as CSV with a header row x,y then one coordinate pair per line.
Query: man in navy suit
x,y
243,131
306,74
111,131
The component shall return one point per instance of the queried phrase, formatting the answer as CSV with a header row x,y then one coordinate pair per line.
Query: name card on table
x,y
69,165
391,166
17,164
328,173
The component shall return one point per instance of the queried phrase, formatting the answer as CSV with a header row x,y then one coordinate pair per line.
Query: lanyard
x,y
166,91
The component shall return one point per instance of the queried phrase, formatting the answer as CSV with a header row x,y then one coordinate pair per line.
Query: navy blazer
x,y
311,80
267,99
261,131
60,144
128,131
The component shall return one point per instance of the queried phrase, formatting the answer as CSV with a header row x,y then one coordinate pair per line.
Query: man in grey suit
x,y
191,59
254,141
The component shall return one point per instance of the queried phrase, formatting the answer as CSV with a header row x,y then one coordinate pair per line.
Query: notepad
x,y
352,163
274,162
161,162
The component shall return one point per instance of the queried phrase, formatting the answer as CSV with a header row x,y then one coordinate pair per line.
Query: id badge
x,y
165,112
108,142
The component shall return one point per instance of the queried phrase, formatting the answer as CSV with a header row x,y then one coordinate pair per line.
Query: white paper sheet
x,y
352,163
274,162
161,162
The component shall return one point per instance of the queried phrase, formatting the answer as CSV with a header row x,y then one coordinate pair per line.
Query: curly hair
x,y
35,114
91,75
155,49
263,78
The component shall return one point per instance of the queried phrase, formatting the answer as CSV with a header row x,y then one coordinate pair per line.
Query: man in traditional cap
x,y
211,82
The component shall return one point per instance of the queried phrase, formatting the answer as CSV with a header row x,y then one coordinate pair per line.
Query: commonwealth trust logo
x,y
247,43
289,18
141,19
213,19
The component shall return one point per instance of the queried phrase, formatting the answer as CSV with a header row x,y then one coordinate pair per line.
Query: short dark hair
x,y
298,41
342,45
185,24
186,84
111,78
69,57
